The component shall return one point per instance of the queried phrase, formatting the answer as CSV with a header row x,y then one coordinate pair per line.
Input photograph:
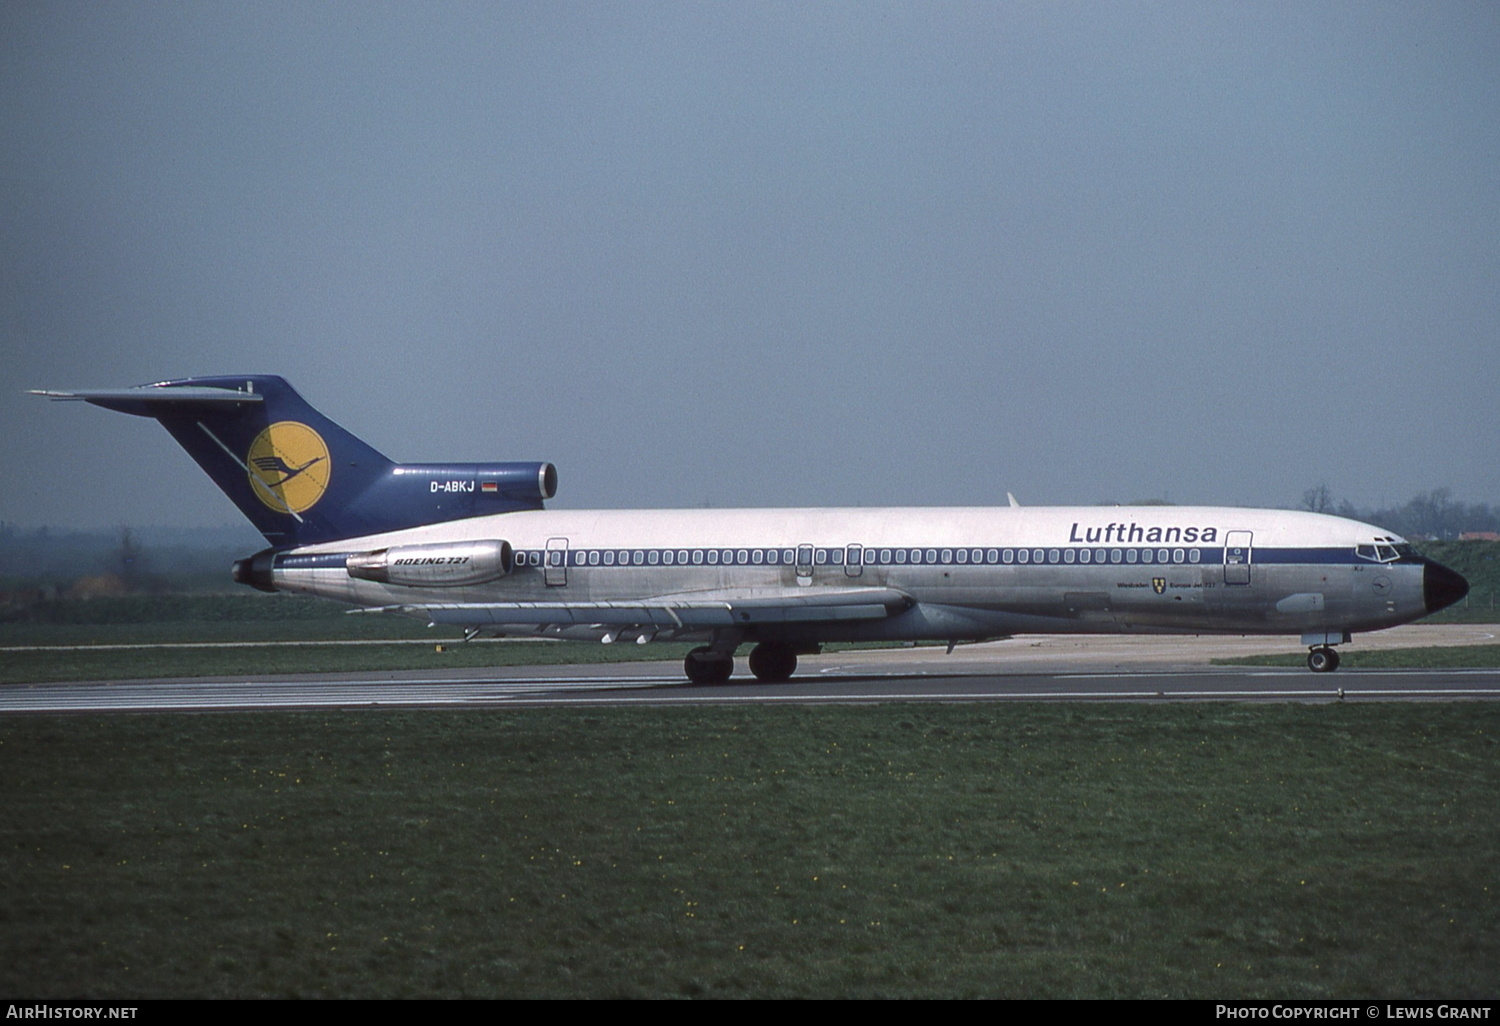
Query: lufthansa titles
x,y
1133,534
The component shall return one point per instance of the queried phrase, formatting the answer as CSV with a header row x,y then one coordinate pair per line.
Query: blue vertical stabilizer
x,y
302,479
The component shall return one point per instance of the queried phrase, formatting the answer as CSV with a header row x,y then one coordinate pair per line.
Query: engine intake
x,y
442,565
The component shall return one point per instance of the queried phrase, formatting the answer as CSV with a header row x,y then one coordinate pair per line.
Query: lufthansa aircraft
x,y
470,545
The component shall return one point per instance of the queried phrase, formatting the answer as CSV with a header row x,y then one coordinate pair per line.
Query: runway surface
x,y
1053,669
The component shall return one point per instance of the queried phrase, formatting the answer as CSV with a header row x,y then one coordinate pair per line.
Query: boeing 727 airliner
x,y
472,546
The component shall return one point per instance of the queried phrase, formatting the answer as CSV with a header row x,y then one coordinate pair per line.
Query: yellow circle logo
x,y
289,466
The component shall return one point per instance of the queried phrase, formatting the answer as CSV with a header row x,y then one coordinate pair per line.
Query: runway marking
x,y
1280,671
181,697
281,694
453,643
969,696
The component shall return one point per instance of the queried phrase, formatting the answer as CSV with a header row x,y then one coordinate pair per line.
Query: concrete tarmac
x,y
1075,653
1039,668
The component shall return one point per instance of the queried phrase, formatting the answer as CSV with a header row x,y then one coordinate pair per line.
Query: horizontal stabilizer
x,y
137,400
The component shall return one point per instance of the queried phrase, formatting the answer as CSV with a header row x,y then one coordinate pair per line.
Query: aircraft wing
x,y
694,611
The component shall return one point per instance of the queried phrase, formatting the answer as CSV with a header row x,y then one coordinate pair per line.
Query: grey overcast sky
x,y
763,253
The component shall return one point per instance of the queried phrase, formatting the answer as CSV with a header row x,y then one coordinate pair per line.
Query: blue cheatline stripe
x,y
318,561
895,556
1270,555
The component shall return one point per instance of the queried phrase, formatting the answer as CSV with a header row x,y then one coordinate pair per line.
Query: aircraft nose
x,y
1442,587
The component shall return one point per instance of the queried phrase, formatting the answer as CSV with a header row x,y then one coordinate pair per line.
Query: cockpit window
x,y
1380,552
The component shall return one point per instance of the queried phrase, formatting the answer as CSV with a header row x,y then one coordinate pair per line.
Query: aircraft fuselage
x,y
473,546
969,573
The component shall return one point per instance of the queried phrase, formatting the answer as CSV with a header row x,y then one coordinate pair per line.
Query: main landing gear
x,y
773,663
1323,659
770,662
705,666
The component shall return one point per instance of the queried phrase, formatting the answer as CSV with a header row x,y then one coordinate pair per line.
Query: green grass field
x,y
253,623
1347,851
71,663
1026,851
254,629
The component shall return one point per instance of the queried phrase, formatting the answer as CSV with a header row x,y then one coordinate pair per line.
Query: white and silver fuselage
x,y
963,573
472,546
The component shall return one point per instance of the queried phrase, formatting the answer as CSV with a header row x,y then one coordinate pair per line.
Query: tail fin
x,y
302,479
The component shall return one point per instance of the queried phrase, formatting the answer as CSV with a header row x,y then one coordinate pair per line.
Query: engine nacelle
x,y
512,482
441,565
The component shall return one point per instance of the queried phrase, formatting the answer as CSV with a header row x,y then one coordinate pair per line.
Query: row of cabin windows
x,y
855,555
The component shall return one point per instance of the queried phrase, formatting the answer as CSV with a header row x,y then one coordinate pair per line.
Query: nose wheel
x,y
1323,659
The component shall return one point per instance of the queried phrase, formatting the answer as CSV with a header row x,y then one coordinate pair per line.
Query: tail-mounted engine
x,y
444,565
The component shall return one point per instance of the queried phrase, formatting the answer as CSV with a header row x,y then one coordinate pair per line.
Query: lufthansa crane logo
x,y
289,466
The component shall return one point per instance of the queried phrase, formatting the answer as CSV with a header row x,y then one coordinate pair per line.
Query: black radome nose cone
x,y
1442,587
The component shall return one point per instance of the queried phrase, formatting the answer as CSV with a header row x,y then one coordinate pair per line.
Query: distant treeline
x,y
129,559
1434,514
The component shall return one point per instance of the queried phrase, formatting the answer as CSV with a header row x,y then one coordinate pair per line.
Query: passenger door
x,y
1238,555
